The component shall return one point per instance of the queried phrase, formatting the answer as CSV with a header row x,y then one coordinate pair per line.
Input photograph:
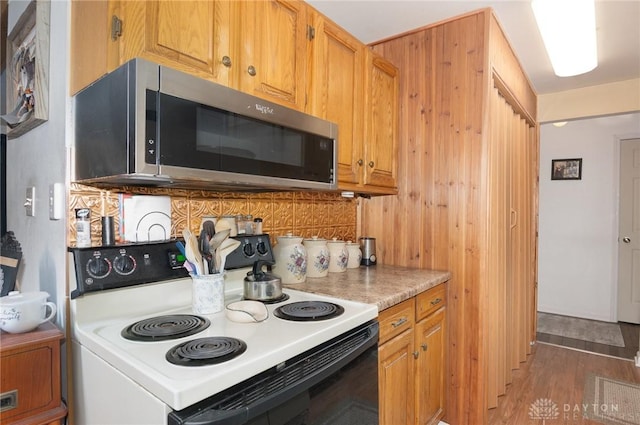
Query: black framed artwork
x,y
566,169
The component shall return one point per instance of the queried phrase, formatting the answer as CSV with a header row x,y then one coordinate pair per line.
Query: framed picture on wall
x,y
27,72
566,169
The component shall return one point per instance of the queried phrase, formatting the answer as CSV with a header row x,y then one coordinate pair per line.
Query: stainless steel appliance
x,y
368,247
147,124
206,369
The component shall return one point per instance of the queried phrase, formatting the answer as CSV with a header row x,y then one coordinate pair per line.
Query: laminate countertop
x,y
381,284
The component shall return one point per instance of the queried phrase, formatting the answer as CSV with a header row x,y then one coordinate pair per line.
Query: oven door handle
x,y
203,415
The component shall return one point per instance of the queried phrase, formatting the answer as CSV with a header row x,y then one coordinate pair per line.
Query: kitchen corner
x,y
383,285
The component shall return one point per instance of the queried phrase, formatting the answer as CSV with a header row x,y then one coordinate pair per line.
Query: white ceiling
x,y
617,21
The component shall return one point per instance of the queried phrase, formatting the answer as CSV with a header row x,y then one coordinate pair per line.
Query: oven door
x,y
336,382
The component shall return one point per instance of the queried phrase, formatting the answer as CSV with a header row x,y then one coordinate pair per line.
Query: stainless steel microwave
x,y
147,124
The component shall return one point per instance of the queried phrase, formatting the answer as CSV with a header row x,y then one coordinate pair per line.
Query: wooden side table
x,y
30,377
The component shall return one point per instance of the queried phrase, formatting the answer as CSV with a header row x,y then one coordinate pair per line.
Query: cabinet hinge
x,y
311,32
116,27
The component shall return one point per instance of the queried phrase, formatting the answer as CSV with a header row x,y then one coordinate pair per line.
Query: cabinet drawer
x,y
429,301
395,320
26,382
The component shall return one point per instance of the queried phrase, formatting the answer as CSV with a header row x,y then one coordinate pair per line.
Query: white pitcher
x,y
291,259
318,256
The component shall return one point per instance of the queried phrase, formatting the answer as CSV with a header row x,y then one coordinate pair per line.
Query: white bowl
x,y
247,312
23,312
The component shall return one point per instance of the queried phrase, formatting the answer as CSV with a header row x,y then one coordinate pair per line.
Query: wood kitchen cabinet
x,y
336,92
272,56
411,359
259,47
357,89
30,382
467,197
379,147
193,36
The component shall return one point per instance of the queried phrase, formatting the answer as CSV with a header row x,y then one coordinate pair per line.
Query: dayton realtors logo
x,y
543,408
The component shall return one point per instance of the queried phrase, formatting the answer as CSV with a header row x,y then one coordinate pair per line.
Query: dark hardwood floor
x,y
630,334
557,374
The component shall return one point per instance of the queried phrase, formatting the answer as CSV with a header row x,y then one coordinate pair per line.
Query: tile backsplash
x,y
306,214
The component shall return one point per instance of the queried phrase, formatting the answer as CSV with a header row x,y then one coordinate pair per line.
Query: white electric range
x,y
119,380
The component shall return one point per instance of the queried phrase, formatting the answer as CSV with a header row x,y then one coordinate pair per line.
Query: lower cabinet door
x,y
430,345
396,380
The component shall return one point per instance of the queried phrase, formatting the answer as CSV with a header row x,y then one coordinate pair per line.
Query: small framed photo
x,y
566,169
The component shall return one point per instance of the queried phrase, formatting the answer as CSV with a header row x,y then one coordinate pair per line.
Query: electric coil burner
x,y
308,311
162,328
206,351
282,298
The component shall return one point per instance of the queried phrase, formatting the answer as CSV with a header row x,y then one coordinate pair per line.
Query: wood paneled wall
x,y
453,209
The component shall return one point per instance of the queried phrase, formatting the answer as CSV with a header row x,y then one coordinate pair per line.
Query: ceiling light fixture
x,y
568,29
560,123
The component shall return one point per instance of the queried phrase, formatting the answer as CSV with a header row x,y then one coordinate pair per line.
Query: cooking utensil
x,y
209,227
207,258
247,312
260,285
227,247
192,252
214,244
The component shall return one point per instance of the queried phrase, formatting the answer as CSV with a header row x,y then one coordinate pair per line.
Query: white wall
x,y
577,268
39,158
620,97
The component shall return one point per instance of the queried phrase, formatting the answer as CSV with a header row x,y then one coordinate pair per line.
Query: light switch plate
x,y
30,202
56,201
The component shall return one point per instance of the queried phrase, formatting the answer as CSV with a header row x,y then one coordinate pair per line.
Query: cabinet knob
x,y
371,164
424,347
226,61
360,162
252,70
416,354
626,240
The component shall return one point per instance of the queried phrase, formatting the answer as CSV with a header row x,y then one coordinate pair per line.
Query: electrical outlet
x,y
30,202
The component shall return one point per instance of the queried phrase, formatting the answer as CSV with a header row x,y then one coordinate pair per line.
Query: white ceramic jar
x,y
339,257
317,256
291,259
355,255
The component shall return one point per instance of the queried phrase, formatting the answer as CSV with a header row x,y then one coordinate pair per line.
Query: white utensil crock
x,y
208,293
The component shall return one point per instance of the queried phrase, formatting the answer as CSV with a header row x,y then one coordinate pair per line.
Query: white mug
x,y
23,312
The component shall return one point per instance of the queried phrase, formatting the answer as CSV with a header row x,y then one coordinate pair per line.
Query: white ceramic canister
x,y
339,257
355,255
317,256
291,259
23,312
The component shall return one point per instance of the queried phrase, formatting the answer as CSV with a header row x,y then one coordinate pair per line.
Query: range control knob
x,y
261,248
124,264
248,250
98,267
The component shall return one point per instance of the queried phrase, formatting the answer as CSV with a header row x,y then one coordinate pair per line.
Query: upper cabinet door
x,y
192,34
381,122
336,91
273,50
